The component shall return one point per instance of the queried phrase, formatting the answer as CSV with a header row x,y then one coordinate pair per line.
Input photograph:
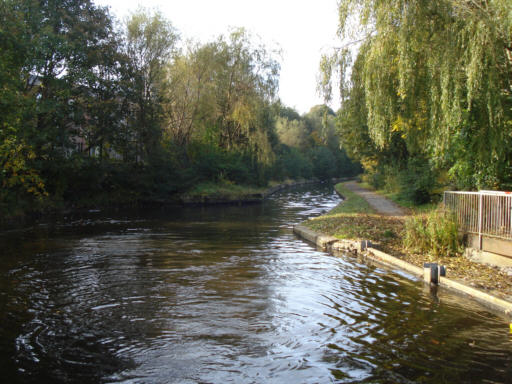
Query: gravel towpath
x,y
379,203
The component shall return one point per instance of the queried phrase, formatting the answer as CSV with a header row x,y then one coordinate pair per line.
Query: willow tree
x,y
189,93
150,43
247,82
220,93
433,74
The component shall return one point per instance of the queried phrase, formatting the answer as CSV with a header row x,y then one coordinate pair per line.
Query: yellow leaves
x,y
398,125
316,138
16,174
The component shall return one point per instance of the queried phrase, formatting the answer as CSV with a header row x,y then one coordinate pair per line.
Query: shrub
x,y
434,233
324,163
417,181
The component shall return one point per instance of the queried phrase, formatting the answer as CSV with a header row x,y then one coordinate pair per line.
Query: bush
x,y
296,165
417,181
291,164
435,233
211,164
324,163
414,182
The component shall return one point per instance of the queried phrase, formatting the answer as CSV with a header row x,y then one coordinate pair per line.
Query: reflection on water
x,y
227,294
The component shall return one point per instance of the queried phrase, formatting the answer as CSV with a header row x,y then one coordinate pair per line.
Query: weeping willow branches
x,y
436,73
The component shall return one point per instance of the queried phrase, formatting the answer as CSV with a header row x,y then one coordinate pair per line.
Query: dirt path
x,y
378,202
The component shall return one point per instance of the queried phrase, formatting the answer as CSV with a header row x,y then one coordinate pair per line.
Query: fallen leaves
x,y
387,233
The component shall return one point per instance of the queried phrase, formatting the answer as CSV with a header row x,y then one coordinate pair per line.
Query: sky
x,y
302,29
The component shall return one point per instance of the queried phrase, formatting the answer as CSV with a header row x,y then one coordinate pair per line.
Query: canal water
x,y
227,294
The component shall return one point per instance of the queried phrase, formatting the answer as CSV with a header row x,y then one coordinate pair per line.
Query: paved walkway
x,y
381,204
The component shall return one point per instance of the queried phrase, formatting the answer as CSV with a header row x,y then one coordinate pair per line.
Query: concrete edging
x,y
330,243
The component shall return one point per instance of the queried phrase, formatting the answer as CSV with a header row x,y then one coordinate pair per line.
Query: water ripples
x,y
229,294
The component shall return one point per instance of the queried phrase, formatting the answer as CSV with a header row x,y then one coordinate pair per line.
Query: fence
x,y
483,213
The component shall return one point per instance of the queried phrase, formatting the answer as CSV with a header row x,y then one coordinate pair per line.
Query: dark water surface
x,y
227,295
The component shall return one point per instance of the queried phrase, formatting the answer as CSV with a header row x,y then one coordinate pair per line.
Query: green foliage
x,y
417,182
430,81
352,202
94,115
19,180
434,233
315,136
150,42
216,164
293,133
292,164
220,93
413,184
324,163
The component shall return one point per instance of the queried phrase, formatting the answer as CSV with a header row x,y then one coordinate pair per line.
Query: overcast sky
x,y
303,29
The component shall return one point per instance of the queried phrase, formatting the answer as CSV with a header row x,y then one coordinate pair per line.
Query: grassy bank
x,y
354,219
225,191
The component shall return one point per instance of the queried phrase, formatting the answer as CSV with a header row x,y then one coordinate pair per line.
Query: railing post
x,y
480,217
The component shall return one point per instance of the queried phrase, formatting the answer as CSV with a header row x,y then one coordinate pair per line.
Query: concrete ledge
x,y
331,243
483,298
394,261
490,258
490,244
313,237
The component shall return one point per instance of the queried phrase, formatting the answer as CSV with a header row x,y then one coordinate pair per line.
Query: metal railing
x,y
483,213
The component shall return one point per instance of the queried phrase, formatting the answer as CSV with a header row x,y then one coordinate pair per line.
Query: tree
x,y
434,77
189,92
52,51
247,81
220,93
294,133
150,43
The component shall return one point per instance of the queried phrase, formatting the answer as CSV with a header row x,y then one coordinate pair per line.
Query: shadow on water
x,y
226,294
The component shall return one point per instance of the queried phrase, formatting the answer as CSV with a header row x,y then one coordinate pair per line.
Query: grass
x,y
429,232
399,200
229,191
352,203
425,236
435,233
222,190
354,218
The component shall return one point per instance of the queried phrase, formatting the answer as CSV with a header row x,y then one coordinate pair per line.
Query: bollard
x,y
431,273
365,244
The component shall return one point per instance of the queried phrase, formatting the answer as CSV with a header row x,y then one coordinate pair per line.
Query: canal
x,y
227,294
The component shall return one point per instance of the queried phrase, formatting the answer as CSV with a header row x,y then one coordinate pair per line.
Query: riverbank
x,y
355,219
215,193
210,193
201,194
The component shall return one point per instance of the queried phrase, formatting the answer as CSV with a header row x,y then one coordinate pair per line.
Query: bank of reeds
x,y
434,233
